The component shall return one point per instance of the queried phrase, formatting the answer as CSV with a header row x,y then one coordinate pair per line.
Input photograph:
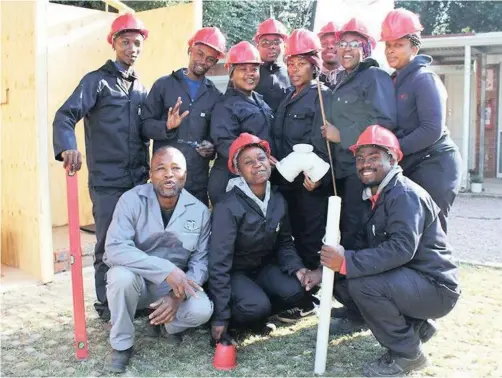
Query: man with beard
x,y
401,274
109,101
274,81
156,248
178,109
329,35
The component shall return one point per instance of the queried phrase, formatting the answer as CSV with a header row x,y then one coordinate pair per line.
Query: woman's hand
x,y
309,184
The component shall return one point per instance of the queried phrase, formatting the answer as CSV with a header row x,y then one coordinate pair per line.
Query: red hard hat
x,y
243,52
211,37
124,22
378,136
398,23
302,41
357,26
329,28
271,26
244,140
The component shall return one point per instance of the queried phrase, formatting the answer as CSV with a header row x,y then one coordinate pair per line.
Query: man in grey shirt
x,y
156,248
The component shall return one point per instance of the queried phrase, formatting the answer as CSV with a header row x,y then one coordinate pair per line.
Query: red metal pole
x,y
77,281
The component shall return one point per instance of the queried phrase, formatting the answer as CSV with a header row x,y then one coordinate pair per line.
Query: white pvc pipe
x,y
302,159
332,238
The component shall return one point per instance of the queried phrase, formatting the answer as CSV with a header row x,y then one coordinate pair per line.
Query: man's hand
x,y
300,274
205,149
332,257
181,285
330,132
174,118
165,310
312,279
217,332
72,160
309,184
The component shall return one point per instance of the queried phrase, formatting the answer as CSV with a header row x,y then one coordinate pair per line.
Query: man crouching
x,y
156,248
400,275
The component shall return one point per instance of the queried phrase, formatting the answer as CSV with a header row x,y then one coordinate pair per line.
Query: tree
x,y
240,19
452,17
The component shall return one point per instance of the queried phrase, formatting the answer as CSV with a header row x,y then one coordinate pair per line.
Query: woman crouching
x,y
254,269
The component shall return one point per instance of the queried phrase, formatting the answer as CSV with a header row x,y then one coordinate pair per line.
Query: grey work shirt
x,y
138,240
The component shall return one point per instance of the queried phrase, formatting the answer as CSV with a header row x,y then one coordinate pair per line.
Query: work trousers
x,y
350,190
440,175
392,302
104,200
218,181
128,292
307,215
256,296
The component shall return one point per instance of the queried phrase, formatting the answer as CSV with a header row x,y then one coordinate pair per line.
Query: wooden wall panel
x,y
166,47
20,187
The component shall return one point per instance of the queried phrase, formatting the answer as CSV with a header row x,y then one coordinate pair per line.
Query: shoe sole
x,y
419,366
291,321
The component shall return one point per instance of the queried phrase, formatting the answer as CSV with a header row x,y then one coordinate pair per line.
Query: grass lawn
x,y
469,344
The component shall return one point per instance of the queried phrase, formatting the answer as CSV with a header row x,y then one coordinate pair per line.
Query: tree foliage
x,y
445,17
239,19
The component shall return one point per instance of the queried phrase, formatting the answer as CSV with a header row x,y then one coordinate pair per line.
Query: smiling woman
x,y
253,265
241,110
363,96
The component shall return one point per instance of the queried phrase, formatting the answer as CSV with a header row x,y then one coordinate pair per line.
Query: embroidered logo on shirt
x,y
191,225
403,96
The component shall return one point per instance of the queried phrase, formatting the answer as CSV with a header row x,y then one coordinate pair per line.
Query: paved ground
x,y
475,229
37,336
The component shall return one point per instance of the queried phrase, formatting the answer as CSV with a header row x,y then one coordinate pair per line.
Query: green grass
x,y
469,342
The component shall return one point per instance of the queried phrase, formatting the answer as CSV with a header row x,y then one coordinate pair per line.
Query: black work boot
x,y
117,360
173,339
392,365
103,311
152,331
427,329
347,325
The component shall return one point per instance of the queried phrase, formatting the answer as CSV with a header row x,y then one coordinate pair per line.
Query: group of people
x,y
259,252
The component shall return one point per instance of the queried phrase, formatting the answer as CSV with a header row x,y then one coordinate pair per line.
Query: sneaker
x,y
427,329
347,326
294,314
391,365
117,360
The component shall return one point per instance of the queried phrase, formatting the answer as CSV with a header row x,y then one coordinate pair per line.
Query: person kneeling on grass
x,y
404,275
254,269
156,248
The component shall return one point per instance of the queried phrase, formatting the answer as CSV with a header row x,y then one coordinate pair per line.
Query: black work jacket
x,y
298,120
362,98
193,129
116,153
242,239
274,84
403,230
235,114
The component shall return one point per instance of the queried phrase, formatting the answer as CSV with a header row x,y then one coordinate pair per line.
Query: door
x,y
454,83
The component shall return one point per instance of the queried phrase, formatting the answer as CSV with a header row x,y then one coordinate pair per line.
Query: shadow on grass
x,y
37,349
